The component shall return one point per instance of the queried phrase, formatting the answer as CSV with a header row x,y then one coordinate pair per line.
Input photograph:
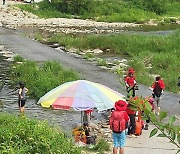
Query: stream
x,y
58,118
65,119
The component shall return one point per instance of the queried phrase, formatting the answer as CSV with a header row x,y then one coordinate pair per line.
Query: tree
x,y
166,128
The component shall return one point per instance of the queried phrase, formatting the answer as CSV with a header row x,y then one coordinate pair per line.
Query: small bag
x,y
91,139
136,87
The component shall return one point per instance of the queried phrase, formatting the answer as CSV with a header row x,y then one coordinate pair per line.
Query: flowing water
x,y
8,98
8,103
65,119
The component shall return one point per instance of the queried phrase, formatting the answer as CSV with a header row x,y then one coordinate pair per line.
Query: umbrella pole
x,y
81,118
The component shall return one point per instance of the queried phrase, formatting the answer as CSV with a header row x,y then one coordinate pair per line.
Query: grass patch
x,y
88,56
18,58
38,37
148,54
41,78
101,146
107,10
21,135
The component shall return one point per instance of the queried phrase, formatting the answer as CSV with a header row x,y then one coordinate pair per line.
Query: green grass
x,y
41,78
162,52
42,13
20,135
101,147
106,10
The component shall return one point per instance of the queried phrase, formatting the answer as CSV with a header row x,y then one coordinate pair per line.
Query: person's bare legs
x,y
158,107
22,109
158,110
121,151
115,150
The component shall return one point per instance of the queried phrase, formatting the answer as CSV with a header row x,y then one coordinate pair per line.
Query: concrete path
x,y
33,50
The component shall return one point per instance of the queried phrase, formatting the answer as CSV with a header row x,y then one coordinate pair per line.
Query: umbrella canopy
x,y
81,95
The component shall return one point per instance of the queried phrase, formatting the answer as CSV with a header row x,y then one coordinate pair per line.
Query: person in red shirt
x,y
157,89
132,115
130,82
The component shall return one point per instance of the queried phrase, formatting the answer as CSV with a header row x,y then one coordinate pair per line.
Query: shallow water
x,y
8,103
65,119
143,29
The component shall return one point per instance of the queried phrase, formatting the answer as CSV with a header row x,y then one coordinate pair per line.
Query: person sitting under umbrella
x,y
87,119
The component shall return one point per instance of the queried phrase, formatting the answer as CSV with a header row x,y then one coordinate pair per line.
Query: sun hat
x,y
131,70
121,105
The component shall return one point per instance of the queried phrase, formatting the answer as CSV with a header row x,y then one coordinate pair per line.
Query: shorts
x,y
157,99
119,139
21,103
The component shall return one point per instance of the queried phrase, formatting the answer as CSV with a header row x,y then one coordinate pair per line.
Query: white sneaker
x,y
132,136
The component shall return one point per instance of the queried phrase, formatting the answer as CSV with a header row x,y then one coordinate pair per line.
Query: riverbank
x,y
13,17
145,56
39,52
132,11
36,51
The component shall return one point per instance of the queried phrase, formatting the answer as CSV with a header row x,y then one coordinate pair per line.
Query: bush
x,y
42,78
154,51
106,10
102,146
22,135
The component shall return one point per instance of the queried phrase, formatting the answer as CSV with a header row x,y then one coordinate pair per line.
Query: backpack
x,y
157,89
117,121
179,82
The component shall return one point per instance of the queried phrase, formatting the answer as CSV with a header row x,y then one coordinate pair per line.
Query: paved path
x,y
33,50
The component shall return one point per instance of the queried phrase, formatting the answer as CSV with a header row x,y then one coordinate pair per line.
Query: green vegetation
x,y
164,125
106,10
88,56
101,62
18,58
101,146
148,54
41,78
22,135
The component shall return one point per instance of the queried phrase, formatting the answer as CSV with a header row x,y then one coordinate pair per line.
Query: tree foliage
x,y
166,128
76,7
157,6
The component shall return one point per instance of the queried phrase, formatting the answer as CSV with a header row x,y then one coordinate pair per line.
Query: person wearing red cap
x,y
118,120
130,82
157,87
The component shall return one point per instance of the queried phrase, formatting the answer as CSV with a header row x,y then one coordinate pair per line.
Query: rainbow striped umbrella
x,y
81,95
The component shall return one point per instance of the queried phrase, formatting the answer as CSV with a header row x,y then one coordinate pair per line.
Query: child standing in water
x,y
22,97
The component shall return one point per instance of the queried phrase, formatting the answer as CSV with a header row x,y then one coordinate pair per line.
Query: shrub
x,y
18,58
106,10
22,135
41,78
102,146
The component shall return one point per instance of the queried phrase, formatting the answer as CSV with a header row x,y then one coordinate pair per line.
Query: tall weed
x,y
22,135
41,78
150,54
